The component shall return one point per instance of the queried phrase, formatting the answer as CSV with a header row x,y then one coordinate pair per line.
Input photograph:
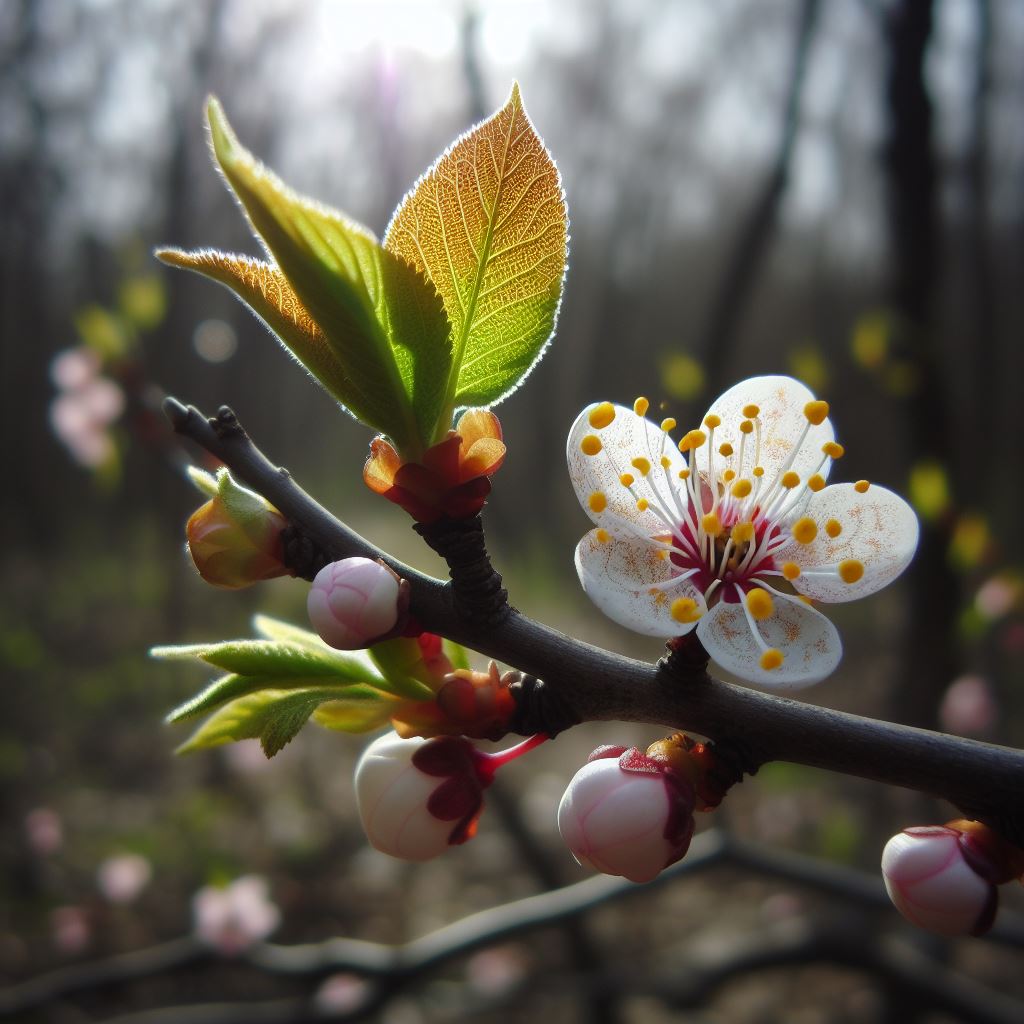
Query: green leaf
x,y
352,716
266,291
278,629
383,320
488,226
457,654
275,658
273,717
202,481
232,687
400,661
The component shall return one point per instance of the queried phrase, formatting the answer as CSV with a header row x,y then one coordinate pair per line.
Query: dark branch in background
x,y
736,283
394,968
983,780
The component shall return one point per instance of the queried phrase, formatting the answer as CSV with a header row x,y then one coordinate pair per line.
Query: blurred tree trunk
x,y
931,657
751,246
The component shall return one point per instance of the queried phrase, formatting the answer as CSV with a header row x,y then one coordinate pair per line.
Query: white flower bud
x,y
353,602
627,815
936,883
417,797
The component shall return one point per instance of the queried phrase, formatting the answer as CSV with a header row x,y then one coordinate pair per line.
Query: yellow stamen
x,y
684,609
750,411
725,450
665,462
663,554
603,536
791,571
711,524
641,464
833,528
851,570
747,427
692,439
626,479
643,504
711,421
861,486
790,480
591,444
759,471
729,474
684,474
742,488
805,530
742,533
816,482
772,659
601,415
760,604
598,502
668,424
833,450
640,406
816,412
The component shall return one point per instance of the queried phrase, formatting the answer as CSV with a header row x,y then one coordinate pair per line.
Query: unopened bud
x,y
417,797
627,814
354,602
235,538
940,880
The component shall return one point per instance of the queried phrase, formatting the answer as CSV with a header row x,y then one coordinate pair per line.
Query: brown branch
x,y
983,780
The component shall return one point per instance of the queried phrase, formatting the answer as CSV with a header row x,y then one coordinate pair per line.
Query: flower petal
x,y
781,401
633,586
381,467
625,440
808,641
878,531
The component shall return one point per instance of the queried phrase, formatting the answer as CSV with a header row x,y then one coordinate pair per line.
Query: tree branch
x,y
983,780
393,968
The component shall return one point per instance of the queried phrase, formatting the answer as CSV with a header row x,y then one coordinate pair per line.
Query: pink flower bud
x,y
627,814
940,880
353,602
417,797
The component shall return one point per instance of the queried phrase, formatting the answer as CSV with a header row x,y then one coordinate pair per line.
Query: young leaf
x,y
278,629
272,716
276,658
266,291
488,226
352,716
384,321
231,687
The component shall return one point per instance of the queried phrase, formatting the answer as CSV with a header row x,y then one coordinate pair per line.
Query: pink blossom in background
x,y
73,368
86,406
234,917
70,931
969,707
122,877
341,993
493,972
996,597
44,831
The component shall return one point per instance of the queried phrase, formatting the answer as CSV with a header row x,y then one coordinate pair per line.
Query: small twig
x,y
983,780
